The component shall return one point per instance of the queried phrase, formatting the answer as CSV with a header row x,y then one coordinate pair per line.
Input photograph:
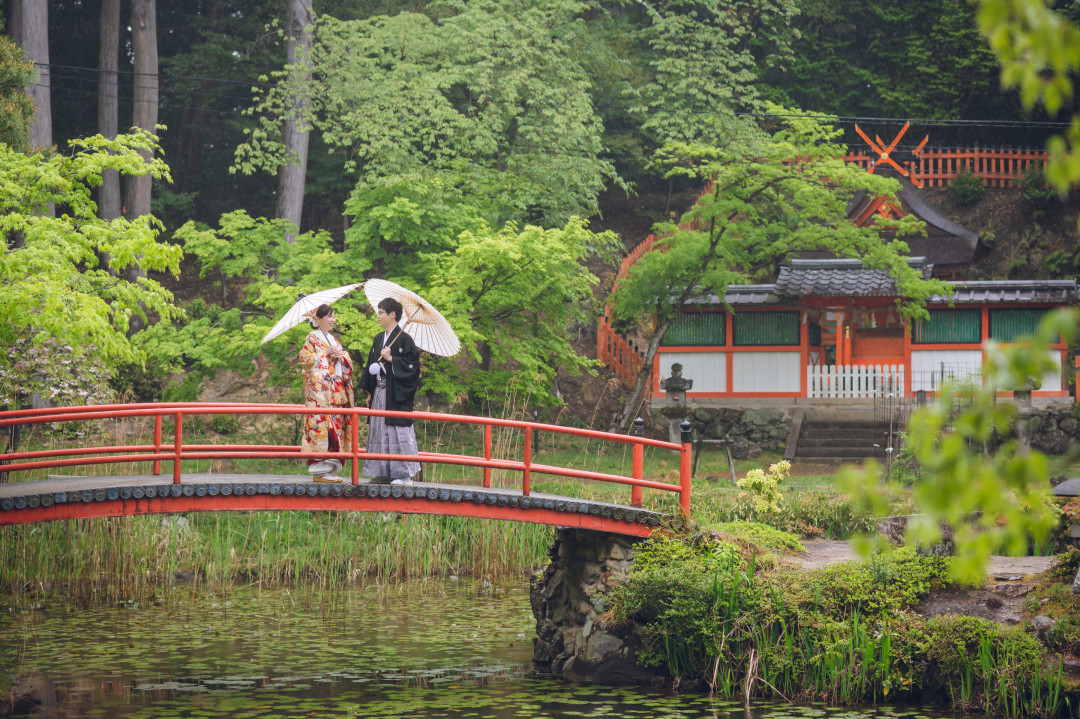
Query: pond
x,y
440,648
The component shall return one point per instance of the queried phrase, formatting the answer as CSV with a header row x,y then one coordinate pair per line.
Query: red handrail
x,y
23,461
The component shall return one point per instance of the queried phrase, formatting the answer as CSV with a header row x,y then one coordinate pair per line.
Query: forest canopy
x,y
466,149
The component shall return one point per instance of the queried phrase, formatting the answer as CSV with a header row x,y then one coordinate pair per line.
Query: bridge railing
x,y
176,451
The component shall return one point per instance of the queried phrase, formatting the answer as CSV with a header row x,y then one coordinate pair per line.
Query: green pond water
x,y
433,649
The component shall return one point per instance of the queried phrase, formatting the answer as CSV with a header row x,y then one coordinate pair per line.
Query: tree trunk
x,y
290,196
633,403
33,32
145,112
14,22
137,190
108,102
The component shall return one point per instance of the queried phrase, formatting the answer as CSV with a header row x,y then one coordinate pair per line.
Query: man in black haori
x,y
391,381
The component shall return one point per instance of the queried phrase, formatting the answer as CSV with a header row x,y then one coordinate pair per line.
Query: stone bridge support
x,y
569,600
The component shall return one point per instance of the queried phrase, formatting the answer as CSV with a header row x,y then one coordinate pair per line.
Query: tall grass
x,y
135,557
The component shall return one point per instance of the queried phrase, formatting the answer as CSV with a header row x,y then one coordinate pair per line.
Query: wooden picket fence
x,y
854,381
935,167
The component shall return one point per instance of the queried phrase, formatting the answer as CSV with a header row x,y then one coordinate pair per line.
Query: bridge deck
x,y
58,498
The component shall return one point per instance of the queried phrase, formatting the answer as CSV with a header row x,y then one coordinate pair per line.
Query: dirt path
x,y
822,552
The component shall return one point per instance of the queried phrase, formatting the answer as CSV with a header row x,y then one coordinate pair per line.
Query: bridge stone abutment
x,y
568,599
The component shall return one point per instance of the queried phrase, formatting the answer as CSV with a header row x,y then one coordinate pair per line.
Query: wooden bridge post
x,y
639,462
684,467
178,442
527,474
157,443
487,454
354,420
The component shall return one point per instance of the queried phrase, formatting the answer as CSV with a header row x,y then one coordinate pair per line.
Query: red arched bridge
x,y
72,497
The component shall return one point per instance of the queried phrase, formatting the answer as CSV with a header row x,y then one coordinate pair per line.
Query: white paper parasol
x,y
428,328
305,306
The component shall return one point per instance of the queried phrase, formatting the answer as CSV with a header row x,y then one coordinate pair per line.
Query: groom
x,y
391,381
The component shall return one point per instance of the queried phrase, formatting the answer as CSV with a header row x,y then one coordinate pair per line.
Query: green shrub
x,y
966,188
992,667
689,595
805,514
1060,262
877,589
224,423
186,390
1032,184
761,537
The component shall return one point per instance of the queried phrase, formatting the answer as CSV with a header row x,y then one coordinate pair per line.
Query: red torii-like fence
x,y
59,498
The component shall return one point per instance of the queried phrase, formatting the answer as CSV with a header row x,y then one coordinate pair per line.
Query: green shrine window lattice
x,y
1008,325
696,329
766,328
949,327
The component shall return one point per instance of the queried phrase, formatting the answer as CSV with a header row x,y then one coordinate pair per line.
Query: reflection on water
x,y
431,649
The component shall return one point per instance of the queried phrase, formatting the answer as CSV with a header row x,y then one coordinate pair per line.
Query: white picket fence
x,y
843,381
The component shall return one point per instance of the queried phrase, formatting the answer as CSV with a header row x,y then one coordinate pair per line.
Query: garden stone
x,y
762,416
1069,426
602,646
1056,442
704,415
1041,626
742,448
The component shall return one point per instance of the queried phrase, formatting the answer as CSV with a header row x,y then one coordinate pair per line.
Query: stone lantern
x,y
676,386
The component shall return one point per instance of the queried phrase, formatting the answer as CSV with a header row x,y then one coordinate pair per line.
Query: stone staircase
x,y
831,441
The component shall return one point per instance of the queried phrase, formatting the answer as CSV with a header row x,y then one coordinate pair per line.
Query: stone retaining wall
x,y
1053,430
569,598
750,431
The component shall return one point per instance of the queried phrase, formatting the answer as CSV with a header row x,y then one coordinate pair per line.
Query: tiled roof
x,y
839,278
848,278
1012,291
742,295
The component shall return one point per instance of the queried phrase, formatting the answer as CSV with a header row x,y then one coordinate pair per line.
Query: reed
x,y
136,558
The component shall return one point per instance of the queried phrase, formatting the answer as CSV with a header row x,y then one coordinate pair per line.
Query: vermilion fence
x,y
612,348
173,449
935,167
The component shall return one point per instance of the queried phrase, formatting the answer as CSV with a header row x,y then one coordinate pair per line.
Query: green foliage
x,y
701,63
876,589
224,423
1039,51
16,107
1033,186
691,596
511,294
992,492
966,188
885,59
490,96
53,286
808,514
765,488
997,669
762,537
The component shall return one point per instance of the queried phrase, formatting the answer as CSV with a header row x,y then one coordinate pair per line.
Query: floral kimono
x,y
325,386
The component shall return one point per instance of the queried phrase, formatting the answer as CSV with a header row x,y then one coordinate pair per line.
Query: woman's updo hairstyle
x,y
320,312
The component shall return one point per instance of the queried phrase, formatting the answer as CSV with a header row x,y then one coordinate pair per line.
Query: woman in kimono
x,y
327,370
